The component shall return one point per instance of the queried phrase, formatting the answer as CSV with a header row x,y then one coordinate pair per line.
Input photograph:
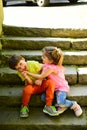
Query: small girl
x,y
53,58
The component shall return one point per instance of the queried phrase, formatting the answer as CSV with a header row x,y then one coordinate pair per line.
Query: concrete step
x,y
37,43
9,76
16,30
10,120
70,57
10,95
73,75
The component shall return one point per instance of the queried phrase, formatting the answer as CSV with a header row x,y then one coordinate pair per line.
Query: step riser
x,y
43,32
42,127
14,79
15,101
11,96
73,76
9,76
37,44
70,58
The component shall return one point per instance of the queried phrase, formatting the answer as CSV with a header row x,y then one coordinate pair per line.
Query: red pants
x,y
47,86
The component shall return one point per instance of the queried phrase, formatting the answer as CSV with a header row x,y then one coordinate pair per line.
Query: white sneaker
x,y
77,109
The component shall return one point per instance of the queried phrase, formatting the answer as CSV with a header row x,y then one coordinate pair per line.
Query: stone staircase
x,y
29,42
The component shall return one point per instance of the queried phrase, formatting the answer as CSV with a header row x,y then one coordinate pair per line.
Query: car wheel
x,y
73,1
4,3
43,3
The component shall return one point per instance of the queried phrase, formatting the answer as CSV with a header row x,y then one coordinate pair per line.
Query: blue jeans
x,y
59,99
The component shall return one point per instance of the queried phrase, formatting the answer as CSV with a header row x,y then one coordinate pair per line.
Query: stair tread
x,y
16,90
38,119
44,38
39,52
13,95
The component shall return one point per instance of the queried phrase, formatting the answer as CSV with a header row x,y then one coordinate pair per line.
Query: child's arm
x,y
43,74
26,77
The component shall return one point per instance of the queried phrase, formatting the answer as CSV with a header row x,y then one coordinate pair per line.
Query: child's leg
x,y
43,97
61,99
27,92
30,90
49,86
63,102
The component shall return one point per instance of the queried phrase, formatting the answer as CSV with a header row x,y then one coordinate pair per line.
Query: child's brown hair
x,y
53,53
14,60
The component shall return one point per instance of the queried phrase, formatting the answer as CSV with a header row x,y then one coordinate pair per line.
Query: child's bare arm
x,y
26,77
43,74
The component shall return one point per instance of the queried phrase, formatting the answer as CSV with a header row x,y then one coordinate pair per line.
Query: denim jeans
x,y
59,99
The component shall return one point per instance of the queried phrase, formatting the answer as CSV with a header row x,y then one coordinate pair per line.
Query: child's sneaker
x,y
24,111
77,109
61,109
50,110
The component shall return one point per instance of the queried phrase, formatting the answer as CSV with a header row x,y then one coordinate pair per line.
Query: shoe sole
x,y
50,113
24,116
60,112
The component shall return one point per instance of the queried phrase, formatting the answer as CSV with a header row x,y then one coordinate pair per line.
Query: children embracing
x,y
47,79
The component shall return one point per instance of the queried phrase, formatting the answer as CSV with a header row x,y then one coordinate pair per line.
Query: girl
x,y
53,58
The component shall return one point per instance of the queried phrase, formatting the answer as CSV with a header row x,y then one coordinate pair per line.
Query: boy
x,y
33,86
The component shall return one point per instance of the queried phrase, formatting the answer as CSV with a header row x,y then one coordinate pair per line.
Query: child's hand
x,y
38,82
24,74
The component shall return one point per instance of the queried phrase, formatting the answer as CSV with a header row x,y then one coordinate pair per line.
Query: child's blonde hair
x,y
53,53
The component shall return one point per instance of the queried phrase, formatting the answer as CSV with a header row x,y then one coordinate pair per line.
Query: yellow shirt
x,y
33,67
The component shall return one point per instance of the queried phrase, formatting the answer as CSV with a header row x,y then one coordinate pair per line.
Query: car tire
x,y
4,3
42,3
73,1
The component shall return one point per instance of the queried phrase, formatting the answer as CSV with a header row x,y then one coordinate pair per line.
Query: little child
x,y
53,58
33,86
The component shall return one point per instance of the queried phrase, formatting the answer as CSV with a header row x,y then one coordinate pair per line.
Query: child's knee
x,y
61,102
27,90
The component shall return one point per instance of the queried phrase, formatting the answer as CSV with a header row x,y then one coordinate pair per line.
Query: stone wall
x,y
1,21
1,17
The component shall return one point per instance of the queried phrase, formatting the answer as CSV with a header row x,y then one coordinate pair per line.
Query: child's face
x,y
45,59
22,65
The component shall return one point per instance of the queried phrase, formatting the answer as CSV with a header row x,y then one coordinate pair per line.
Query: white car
x,y
40,3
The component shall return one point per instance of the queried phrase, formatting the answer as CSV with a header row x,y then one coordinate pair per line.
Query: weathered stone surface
x,y
70,57
75,57
82,75
10,95
0,46
9,76
34,43
1,17
45,32
72,33
37,120
25,31
71,75
79,44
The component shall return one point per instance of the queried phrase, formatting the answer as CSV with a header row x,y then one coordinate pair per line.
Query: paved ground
x,y
47,17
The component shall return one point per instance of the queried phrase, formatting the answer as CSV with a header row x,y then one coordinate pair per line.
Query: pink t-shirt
x,y
60,81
